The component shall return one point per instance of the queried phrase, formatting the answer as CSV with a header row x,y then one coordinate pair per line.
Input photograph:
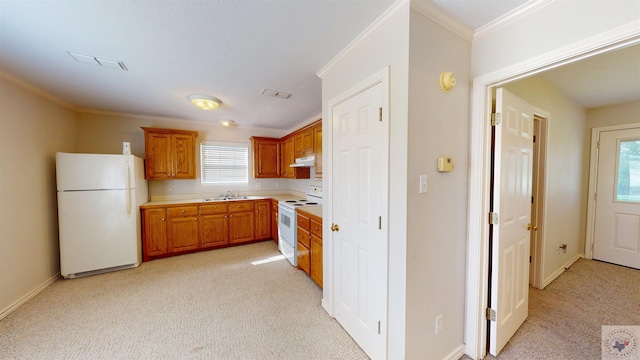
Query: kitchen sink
x,y
225,198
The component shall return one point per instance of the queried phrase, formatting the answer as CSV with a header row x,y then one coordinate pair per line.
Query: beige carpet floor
x,y
208,305
566,318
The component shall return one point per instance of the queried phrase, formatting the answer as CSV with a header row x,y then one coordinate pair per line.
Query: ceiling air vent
x,y
275,93
95,60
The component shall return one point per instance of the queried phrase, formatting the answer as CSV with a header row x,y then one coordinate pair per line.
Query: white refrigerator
x,y
98,212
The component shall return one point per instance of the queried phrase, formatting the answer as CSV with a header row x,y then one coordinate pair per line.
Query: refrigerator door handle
x,y
128,189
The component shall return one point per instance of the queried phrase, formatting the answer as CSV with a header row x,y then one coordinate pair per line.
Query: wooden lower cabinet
x,y
241,222
154,232
182,233
316,251
214,225
263,219
309,244
178,229
274,220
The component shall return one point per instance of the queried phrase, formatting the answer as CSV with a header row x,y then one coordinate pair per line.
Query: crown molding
x,y
437,14
378,25
510,17
35,90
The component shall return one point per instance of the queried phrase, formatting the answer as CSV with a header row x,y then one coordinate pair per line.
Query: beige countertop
x,y
279,197
312,209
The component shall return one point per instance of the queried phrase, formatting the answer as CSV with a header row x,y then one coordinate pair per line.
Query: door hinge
x,y
496,119
493,218
378,327
380,222
598,145
534,138
380,113
529,259
491,314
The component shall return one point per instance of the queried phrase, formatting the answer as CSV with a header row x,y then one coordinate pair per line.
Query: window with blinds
x,y
224,163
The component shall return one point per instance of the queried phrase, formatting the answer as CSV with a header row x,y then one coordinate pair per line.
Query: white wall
x,y
427,233
617,114
436,221
566,174
387,47
104,133
559,23
32,130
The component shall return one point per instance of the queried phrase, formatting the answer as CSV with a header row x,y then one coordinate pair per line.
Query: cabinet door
x,y
183,228
154,236
241,227
316,259
274,220
263,219
158,156
307,142
266,158
304,258
317,149
288,158
183,147
214,230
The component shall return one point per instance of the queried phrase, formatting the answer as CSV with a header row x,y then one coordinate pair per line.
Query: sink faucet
x,y
229,194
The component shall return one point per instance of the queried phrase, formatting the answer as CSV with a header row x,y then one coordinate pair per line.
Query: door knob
x,y
335,227
529,227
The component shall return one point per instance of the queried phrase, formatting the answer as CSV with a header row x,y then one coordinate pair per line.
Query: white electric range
x,y
287,225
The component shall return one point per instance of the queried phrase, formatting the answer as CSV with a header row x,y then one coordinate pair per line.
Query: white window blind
x,y
224,163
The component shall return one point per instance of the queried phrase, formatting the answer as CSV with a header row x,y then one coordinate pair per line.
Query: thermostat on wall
x,y
445,164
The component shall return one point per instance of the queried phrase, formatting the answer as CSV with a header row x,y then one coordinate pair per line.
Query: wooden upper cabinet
x,y
266,157
170,154
317,148
303,143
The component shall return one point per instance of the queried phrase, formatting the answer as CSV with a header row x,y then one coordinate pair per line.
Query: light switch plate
x,y
423,184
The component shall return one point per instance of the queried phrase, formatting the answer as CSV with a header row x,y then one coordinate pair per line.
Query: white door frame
x,y
536,269
593,176
382,77
480,166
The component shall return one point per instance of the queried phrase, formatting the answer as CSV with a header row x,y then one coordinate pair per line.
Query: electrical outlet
x,y
439,324
258,185
169,187
423,184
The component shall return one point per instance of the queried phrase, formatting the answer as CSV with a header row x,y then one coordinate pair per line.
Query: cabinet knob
x,y
162,219
195,219
182,211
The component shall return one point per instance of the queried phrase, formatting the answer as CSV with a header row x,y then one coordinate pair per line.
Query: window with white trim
x,y
224,163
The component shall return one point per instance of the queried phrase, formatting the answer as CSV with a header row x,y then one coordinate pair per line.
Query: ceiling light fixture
x,y
204,102
226,122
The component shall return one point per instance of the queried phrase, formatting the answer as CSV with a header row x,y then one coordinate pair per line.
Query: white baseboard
x,y
28,296
455,354
562,269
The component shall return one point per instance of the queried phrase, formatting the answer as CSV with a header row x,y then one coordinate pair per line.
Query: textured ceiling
x,y
228,49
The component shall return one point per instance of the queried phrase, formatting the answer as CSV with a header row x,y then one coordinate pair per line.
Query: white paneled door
x,y
357,206
510,238
617,220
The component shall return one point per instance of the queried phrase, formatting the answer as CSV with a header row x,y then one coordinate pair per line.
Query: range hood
x,y
306,161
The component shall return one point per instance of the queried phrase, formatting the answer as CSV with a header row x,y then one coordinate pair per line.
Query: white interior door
x,y
357,200
513,159
617,216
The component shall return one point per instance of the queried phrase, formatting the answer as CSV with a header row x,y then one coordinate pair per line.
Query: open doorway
x,y
478,229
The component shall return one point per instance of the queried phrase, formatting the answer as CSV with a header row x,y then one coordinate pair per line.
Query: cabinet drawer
x,y
183,211
213,209
316,228
303,237
303,222
239,206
